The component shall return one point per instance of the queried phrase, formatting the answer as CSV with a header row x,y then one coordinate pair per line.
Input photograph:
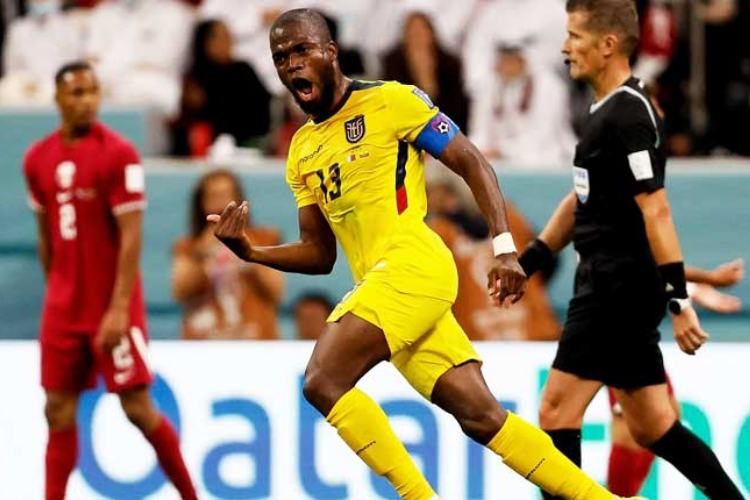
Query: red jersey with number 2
x,y
82,187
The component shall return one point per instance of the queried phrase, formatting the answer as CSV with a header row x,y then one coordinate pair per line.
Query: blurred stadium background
x,y
192,84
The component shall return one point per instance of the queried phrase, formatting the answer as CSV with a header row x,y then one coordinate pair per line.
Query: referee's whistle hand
x,y
688,332
230,228
506,280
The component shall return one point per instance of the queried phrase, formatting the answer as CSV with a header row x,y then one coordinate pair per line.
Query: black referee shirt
x,y
620,154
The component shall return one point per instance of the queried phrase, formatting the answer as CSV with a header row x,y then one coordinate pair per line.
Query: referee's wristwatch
x,y
676,306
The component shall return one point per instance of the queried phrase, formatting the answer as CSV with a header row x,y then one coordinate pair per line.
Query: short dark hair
x,y
620,16
310,16
316,297
71,67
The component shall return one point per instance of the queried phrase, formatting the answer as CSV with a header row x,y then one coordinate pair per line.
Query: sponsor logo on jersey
x,y
311,155
64,174
581,183
355,129
423,95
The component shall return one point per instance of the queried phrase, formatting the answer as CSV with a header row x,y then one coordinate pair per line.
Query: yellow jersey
x,y
363,165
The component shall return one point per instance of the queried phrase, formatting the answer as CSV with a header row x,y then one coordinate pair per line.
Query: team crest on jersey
x,y
64,174
355,129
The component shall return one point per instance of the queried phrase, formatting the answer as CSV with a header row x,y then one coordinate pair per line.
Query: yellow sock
x,y
529,451
364,426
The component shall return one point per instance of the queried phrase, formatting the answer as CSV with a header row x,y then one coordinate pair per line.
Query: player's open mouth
x,y
303,88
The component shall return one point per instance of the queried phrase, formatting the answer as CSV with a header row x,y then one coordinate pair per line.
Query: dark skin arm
x,y
44,246
506,279
116,320
314,253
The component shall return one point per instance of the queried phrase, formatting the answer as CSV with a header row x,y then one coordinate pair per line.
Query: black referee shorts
x,y
611,330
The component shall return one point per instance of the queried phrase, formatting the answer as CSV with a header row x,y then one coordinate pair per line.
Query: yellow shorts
x,y
424,338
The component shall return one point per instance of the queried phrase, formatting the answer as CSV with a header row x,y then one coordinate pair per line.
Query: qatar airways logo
x,y
64,174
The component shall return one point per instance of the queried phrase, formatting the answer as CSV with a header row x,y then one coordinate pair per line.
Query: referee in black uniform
x,y
630,263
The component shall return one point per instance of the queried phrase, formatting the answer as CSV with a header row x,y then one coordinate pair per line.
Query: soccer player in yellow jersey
x,y
357,172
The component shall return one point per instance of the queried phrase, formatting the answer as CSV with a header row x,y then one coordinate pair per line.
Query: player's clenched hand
x,y
112,329
506,280
687,331
728,274
230,228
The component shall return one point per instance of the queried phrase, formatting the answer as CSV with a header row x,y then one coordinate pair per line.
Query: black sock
x,y
568,441
695,460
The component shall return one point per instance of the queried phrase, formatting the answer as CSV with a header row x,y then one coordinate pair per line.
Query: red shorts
x,y
71,362
614,406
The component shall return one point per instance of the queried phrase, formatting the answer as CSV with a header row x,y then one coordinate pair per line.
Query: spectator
x,y
223,297
658,40
220,94
727,75
378,23
421,60
310,313
139,49
249,22
539,21
350,59
523,114
36,46
532,318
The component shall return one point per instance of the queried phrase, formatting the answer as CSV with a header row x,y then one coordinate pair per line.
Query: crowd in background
x,y
494,66
223,297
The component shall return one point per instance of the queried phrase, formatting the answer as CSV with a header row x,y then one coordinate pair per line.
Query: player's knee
x,y
60,412
320,390
140,413
483,423
642,435
658,425
549,414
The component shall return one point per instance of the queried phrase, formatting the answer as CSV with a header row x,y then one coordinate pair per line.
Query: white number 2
x,y
68,221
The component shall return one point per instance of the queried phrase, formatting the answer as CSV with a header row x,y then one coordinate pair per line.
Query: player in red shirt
x,y
86,186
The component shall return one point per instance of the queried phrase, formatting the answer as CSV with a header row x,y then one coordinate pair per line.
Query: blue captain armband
x,y
437,134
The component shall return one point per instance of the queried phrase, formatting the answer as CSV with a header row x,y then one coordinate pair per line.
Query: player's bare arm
x,y
115,323
724,275
555,236
558,232
189,280
665,247
506,279
314,253
44,246
269,282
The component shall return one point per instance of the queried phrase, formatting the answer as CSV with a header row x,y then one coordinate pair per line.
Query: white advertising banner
x,y
247,432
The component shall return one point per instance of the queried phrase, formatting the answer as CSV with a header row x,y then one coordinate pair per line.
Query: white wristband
x,y
502,244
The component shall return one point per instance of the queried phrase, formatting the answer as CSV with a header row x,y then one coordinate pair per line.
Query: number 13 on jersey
x,y
330,187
